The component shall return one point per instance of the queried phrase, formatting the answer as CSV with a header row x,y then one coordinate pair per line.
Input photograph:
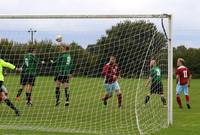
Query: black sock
x,y
19,92
27,96
119,99
163,100
57,94
67,94
10,104
147,99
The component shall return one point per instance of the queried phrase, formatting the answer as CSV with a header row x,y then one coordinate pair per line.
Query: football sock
x,y
67,94
147,99
178,99
10,104
28,97
163,100
187,97
57,94
106,97
119,99
19,93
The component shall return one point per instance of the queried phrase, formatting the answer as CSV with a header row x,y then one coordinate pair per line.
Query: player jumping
x,y
183,77
28,75
156,82
3,90
111,73
63,72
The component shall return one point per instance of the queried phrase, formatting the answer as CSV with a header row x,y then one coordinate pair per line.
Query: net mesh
x,y
133,41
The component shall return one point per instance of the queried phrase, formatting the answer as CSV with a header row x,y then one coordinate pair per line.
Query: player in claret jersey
x,y
111,73
183,77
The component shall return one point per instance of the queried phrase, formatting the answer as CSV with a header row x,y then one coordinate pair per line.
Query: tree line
x,y
133,43
191,56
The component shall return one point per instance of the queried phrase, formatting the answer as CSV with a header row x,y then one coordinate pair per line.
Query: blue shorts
x,y
111,87
180,88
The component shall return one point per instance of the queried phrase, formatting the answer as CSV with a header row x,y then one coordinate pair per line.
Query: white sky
x,y
186,20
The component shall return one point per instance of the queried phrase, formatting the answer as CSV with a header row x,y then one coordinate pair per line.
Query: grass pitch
x,y
86,111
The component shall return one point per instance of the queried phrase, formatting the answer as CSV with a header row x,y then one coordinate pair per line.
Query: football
x,y
59,38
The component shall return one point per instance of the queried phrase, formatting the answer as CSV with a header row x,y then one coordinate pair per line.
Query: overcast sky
x,y
186,20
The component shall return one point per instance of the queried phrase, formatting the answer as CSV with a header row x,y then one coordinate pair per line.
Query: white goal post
x,y
83,128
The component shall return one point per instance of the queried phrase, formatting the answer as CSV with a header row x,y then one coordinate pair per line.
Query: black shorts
x,y
1,83
27,79
156,88
62,78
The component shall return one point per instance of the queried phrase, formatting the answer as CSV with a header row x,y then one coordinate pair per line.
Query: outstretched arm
x,y
7,65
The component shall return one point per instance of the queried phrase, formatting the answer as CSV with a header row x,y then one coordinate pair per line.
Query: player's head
x,y
65,48
180,62
152,63
112,60
31,50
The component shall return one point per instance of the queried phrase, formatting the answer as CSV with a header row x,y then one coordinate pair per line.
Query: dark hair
x,y
30,50
65,47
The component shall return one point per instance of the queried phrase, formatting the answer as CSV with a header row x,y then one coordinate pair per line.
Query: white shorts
x,y
111,87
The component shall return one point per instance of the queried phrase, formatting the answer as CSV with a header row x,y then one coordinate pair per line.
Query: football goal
x,y
51,96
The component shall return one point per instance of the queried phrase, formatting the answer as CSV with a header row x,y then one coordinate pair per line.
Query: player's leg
x,y
29,88
57,89
28,94
147,98
66,87
20,92
152,91
108,93
8,102
23,83
178,98
187,97
161,92
116,87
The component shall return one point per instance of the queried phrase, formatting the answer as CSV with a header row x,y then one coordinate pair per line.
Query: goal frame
x,y
169,30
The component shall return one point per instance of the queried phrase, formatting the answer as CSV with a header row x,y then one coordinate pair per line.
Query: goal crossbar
x,y
82,16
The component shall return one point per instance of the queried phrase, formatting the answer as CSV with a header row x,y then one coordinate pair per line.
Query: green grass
x,y
86,112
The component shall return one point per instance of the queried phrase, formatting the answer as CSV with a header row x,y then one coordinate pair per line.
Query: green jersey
x,y
2,65
30,63
155,74
63,64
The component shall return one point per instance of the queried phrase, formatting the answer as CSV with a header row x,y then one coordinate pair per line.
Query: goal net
x,y
133,40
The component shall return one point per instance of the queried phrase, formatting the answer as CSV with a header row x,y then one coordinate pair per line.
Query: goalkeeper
x,y
3,90
156,83
63,71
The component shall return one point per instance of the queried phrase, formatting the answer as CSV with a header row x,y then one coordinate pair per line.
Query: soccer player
x,y
3,90
63,73
155,81
183,77
28,75
111,72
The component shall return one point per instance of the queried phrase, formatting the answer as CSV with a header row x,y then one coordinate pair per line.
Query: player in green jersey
x,y
3,90
28,75
155,79
63,71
